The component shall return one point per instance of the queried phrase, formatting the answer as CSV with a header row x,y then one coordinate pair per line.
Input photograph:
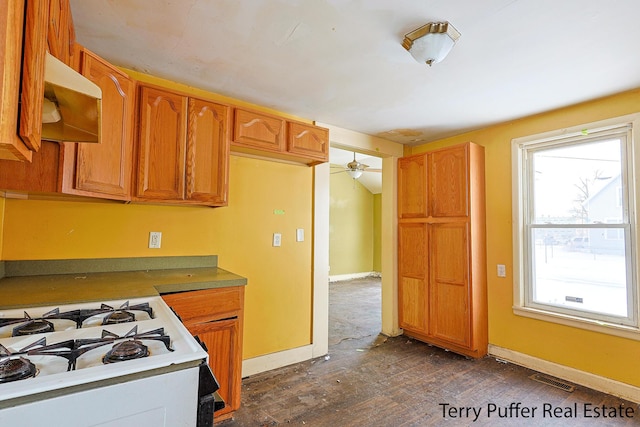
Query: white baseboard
x,y
276,360
351,276
596,382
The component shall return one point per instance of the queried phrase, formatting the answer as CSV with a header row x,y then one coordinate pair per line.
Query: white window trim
x,y
519,290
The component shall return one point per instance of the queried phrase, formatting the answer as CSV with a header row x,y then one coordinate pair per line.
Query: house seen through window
x,y
575,235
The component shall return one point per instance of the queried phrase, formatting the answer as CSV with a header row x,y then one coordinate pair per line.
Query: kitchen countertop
x,y
53,289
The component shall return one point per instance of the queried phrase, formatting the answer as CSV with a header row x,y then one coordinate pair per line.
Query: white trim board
x,y
596,382
277,360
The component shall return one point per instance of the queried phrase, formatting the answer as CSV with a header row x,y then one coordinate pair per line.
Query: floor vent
x,y
553,382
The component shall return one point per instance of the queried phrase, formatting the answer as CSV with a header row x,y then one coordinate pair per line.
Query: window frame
x,y
522,190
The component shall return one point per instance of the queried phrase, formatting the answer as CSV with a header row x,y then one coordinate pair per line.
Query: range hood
x,y
71,109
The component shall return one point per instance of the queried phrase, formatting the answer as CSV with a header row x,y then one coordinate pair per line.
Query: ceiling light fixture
x,y
432,42
355,173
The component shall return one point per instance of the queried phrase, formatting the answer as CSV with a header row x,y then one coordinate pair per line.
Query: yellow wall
x,y
604,355
350,226
377,232
278,295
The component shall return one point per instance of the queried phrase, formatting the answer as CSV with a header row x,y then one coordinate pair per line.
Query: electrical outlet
x,y
502,270
155,239
277,239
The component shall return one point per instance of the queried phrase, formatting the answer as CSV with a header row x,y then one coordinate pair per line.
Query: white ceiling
x,y
341,62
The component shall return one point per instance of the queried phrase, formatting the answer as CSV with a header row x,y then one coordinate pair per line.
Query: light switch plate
x,y
300,235
277,239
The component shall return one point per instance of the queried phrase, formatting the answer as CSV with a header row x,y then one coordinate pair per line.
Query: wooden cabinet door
x,y
449,282
207,152
448,182
61,35
413,261
104,170
11,31
308,141
33,58
161,144
258,130
412,187
221,339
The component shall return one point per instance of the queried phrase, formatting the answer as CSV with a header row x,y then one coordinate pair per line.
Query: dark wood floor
x,y
371,380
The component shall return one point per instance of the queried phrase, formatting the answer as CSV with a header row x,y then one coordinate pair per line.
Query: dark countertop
x,y
53,289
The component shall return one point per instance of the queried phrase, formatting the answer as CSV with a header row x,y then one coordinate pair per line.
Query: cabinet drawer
x,y
207,303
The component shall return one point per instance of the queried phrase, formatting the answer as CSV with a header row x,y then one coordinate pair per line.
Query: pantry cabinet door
x,y
448,182
412,187
413,261
449,282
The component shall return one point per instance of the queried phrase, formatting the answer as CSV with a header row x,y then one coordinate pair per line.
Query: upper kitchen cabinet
x,y
61,34
104,170
258,130
22,73
183,148
274,137
308,141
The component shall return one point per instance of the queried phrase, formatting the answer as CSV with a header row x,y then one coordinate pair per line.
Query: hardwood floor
x,y
371,380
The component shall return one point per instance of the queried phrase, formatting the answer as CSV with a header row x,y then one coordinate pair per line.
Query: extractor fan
x,y
355,168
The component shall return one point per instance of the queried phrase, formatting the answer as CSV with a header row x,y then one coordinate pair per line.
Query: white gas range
x,y
98,363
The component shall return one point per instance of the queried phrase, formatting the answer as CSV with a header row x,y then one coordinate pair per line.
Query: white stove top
x,y
52,371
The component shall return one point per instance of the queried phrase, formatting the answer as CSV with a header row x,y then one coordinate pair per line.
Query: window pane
x,y
578,184
580,269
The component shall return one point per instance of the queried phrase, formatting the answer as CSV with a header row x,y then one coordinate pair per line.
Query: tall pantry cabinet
x,y
441,248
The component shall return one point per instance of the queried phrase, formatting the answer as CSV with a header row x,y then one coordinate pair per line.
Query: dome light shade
x,y
432,42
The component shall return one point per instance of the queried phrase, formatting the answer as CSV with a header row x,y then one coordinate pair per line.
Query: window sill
x,y
623,331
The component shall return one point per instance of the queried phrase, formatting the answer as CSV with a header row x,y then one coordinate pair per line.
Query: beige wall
x,y
601,354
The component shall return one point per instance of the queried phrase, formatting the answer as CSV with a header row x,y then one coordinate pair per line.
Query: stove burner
x,y
16,369
118,316
126,350
33,327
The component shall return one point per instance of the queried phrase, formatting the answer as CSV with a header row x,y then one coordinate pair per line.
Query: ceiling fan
x,y
355,168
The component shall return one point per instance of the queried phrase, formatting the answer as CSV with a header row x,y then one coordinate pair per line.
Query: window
x,y
574,227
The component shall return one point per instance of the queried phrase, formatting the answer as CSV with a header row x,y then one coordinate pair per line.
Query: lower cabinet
x,y
216,317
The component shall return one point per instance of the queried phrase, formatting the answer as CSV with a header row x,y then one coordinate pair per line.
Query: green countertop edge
x,y
69,285
99,265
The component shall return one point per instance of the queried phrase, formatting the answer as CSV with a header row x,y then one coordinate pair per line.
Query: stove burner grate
x,y
118,316
27,325
16,369
37,326
126,350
